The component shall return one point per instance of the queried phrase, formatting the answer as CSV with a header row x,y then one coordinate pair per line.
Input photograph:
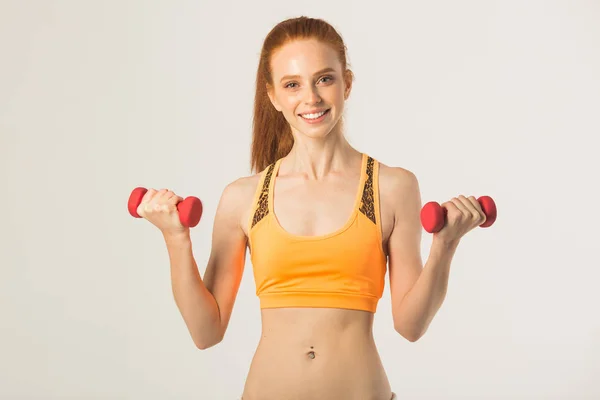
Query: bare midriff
x,y
314,354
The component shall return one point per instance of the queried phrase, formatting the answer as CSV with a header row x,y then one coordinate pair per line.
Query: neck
x,y
315,158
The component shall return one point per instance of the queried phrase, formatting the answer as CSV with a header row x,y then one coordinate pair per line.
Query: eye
x,y
327,77
287,86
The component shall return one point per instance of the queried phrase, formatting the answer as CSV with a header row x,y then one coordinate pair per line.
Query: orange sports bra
x,y
342,269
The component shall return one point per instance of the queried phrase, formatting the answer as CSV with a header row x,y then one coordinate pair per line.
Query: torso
x,y
318,353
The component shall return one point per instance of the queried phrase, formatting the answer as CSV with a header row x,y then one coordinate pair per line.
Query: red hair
x,y
271,134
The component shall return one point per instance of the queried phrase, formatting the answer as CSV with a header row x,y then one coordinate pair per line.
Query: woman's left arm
x,y
418,292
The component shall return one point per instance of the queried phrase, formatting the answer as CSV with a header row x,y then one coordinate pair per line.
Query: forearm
x,y
196,304
424,299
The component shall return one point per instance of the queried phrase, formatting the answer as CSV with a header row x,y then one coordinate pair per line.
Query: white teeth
x,y
313,116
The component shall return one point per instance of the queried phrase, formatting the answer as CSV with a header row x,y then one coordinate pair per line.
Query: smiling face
x,y
309,87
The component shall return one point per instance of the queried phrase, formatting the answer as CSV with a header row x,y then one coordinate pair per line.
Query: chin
x,y
315,132
320,134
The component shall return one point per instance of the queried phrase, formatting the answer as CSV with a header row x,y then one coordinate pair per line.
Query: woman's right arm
x,y
206,303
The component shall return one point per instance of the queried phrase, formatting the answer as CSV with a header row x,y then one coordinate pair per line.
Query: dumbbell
x,y
190,209
433,216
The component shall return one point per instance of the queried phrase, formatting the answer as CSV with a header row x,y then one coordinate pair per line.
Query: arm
x,y
206,304
417,292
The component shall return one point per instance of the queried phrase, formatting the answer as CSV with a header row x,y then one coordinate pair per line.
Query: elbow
x,y
203,345
206,342
412,335
412,338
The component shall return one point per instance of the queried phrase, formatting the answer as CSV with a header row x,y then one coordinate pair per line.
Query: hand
x,y
160,208
462,215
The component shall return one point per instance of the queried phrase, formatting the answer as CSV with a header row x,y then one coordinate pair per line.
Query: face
x,y
309,87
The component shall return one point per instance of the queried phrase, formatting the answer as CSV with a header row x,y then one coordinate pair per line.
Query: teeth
x,y
313,116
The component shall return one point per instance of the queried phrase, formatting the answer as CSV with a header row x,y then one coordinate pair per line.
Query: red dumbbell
x,y
433,216
190,209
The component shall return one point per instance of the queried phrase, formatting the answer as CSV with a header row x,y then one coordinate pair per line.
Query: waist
x,y
316,353
298,325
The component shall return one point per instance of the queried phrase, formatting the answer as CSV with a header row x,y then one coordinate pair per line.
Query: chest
x,y
312,208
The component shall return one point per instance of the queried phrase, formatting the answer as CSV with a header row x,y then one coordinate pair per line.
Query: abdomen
x,y
316,353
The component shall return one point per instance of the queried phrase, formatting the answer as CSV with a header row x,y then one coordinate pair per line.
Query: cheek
x,y
334,93
289,103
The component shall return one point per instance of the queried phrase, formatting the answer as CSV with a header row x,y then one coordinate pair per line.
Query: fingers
x,y
148,196
463,214
174,199
158,200
171,201
154,202
482,218
469,209
472,208
461,205
451,210
142,207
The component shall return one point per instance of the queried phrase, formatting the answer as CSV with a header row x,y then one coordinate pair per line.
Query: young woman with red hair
x,y
323,223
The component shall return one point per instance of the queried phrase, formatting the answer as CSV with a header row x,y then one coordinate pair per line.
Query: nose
x,y
311,95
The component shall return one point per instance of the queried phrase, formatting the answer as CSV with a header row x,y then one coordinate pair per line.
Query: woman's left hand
x,y
463,214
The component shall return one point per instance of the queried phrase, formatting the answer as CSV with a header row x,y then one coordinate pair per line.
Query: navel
x,y
311,354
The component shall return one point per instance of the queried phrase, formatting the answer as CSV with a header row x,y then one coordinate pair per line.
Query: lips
x,y
314,115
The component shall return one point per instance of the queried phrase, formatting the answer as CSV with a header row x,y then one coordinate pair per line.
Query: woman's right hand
x,y
160,208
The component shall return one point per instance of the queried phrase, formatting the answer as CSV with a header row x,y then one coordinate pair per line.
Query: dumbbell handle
x,y
433,216
190,209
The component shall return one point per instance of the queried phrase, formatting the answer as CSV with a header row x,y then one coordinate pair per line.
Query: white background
x,y
498,98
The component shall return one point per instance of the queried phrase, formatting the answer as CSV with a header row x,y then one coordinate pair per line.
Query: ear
x,y
272,97
348,79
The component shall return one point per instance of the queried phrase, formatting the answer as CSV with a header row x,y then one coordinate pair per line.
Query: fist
x,y
462,215
160,208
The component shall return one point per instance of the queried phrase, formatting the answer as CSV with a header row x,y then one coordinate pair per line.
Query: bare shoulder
x,y
238,196
242,187
395,181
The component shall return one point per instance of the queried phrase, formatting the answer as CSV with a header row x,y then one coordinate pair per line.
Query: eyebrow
x,y
328,69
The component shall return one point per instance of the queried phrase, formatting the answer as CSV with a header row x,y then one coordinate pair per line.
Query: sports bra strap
x,y
260,204
370,195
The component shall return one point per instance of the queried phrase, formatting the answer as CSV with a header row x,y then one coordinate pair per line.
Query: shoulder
x,y
396,181
241,189
238,197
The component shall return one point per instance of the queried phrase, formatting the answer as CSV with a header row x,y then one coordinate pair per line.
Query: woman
x,y
320,220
